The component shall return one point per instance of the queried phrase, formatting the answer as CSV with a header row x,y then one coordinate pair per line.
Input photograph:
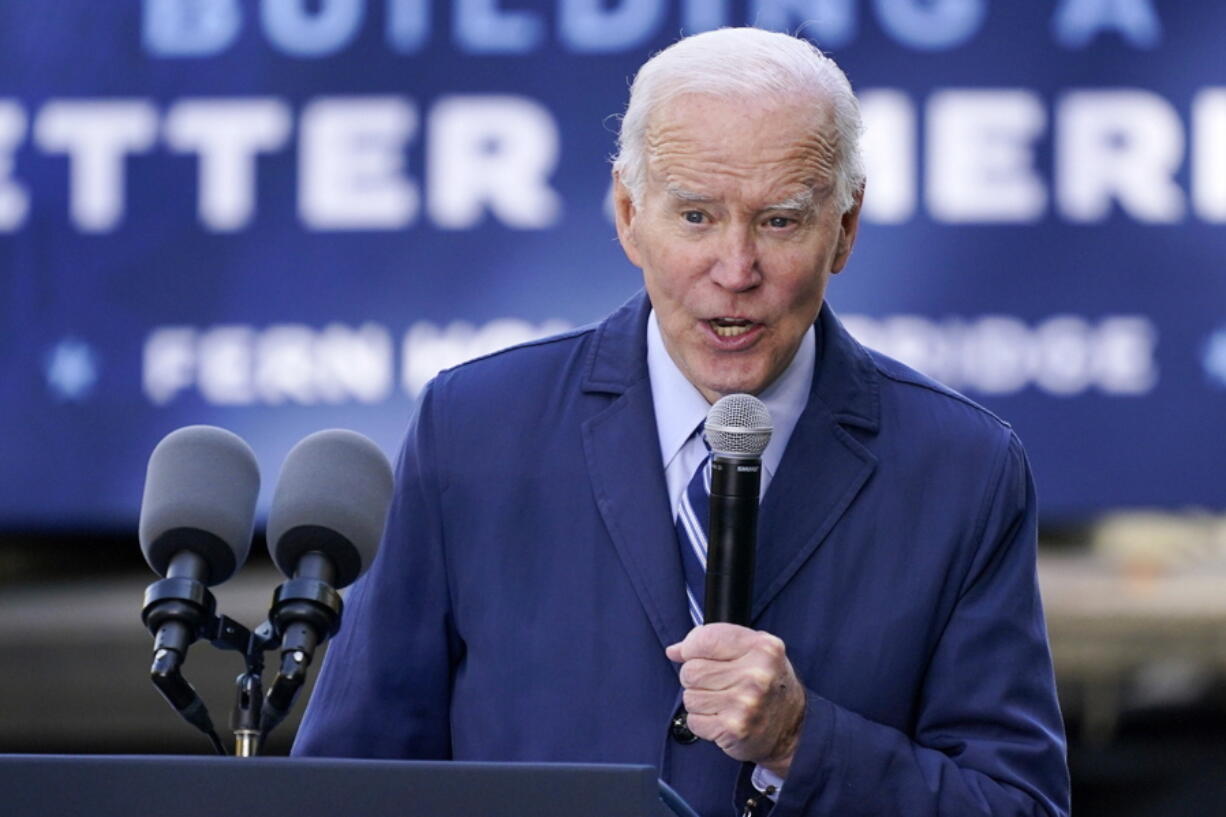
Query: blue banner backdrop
x,y
281,216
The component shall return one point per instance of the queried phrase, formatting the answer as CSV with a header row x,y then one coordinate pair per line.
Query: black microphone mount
x,y
177,610
305,610
180,610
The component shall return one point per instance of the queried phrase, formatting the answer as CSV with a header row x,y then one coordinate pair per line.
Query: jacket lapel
x,y
623,455
824,467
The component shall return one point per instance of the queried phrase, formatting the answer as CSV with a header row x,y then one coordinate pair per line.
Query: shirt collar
x,y
680,407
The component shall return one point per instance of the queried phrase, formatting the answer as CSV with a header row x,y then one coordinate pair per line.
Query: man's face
x,y
737,234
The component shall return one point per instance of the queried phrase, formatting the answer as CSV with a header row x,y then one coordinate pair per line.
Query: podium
x,y
169,786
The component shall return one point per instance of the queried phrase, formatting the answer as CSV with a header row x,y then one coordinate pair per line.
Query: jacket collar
x,y
618,355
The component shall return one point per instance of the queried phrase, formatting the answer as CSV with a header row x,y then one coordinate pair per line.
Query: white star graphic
x,y
72,370
1215,358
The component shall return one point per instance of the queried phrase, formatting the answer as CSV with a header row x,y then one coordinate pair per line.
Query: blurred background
x,y
287,215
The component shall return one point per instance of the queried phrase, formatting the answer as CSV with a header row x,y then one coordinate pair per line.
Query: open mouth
x,y
730,327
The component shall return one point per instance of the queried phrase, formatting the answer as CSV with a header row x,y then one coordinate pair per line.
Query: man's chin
x,y
715,388
718,374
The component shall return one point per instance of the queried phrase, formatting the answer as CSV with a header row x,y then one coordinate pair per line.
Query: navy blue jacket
x,y
529,581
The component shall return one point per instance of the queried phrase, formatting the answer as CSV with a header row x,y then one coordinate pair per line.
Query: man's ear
x,y
624,214
849,225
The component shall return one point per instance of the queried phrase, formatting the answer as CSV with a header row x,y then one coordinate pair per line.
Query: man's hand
x,y
741,693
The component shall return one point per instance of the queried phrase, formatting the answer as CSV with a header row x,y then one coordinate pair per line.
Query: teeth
x,y
730,330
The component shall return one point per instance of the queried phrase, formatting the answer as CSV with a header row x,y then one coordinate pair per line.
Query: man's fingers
x,y
724,731
736,704
718,642
702,673
703,726
699,702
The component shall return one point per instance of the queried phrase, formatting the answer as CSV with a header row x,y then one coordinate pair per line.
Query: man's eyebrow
x,y
800,202
688,195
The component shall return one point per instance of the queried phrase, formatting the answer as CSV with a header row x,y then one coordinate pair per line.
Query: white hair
x,y
742,63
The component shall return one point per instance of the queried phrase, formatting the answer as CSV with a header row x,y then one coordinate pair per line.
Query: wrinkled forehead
x,y
697,137
810,109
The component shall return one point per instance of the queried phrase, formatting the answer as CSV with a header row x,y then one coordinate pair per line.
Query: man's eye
x,y
694,216
780,222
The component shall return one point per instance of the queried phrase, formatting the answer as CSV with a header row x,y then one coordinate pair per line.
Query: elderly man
x,y
529,602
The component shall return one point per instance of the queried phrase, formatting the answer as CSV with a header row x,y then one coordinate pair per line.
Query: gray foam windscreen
x,y
738,425
332,482
200,492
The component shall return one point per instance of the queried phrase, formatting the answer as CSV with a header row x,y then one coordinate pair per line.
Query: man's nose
x,y
736,269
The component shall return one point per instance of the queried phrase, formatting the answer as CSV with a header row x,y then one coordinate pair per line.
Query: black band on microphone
x,y
216,553
297,542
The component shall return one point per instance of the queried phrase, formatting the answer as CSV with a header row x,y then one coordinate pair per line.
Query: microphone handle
x,y
732,538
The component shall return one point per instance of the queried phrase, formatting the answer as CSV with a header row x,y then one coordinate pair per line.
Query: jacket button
x,y
679,730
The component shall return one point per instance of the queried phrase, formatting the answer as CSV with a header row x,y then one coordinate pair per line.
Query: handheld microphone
x,y
196,520
738,428
324,528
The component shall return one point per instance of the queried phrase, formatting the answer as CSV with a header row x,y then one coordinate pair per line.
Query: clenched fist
x,y
741,693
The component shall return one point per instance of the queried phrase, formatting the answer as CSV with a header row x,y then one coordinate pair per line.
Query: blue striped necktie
x,y
692,514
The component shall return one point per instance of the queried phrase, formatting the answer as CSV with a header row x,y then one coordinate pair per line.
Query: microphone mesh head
x,y
332,496
200,492
738,425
